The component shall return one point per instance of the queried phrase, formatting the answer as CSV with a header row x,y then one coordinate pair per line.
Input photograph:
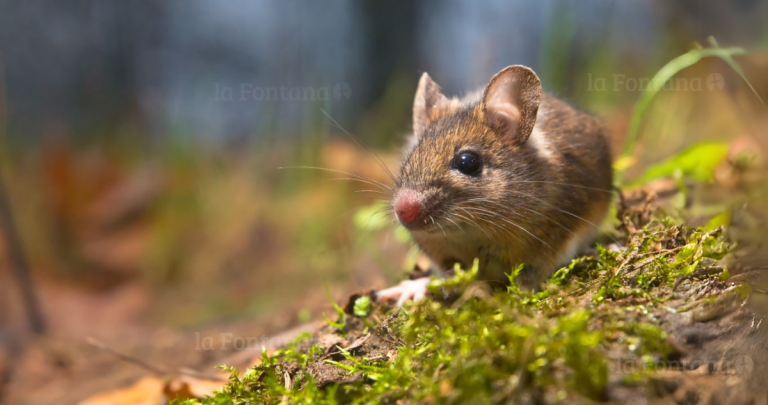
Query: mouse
x,y
507,175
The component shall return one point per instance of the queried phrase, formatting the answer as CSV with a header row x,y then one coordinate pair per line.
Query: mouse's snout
x,y
409,207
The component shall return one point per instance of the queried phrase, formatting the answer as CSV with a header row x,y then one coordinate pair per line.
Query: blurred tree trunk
x,y
390,54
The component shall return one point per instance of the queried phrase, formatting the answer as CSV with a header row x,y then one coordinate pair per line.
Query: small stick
x,y
154,369
19,265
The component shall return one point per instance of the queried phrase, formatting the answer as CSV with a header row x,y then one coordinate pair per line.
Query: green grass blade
x,y
664,74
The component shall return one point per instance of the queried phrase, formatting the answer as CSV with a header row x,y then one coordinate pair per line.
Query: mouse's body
x,y
508,175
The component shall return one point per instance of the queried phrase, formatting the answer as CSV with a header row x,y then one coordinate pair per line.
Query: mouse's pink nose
x,y
408,208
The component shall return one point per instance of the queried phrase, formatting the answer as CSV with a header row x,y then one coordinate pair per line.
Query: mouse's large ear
x,y
511,102
428,99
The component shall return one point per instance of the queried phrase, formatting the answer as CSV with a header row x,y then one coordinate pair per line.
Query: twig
x,y
154,369
19,265
288,384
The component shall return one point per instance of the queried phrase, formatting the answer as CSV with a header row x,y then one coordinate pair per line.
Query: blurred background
x,y
140,147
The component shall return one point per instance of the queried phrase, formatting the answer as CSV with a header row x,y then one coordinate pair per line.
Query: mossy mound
x,y
604,328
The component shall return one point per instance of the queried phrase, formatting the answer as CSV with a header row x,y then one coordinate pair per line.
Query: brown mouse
x,y
508,175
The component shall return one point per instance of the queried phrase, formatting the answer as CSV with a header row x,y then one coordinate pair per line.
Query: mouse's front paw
x,y
406,290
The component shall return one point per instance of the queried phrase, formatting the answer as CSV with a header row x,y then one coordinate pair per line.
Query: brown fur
x,y
528,205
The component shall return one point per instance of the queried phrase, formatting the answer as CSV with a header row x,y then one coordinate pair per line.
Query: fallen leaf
x,y
184,387
146,391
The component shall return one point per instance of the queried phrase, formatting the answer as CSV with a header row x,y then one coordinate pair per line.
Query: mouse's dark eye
x,y
467,163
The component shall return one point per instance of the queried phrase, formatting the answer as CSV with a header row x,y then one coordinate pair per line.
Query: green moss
x,y
362,306
556,344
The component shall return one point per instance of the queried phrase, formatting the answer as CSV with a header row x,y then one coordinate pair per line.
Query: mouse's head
x,y
469,161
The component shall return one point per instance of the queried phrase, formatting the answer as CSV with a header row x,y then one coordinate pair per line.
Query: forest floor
x,y
660,320
672,313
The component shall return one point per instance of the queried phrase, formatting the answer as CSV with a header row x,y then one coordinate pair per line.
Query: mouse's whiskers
x,y
580,218
499,203
495,203
495,215
352,177
360,145
557,183
471,221
489,218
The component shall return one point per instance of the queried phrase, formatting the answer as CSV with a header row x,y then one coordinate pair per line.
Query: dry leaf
x,y
147,391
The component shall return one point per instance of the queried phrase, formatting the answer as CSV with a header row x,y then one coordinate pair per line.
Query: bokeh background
x,y
141,145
